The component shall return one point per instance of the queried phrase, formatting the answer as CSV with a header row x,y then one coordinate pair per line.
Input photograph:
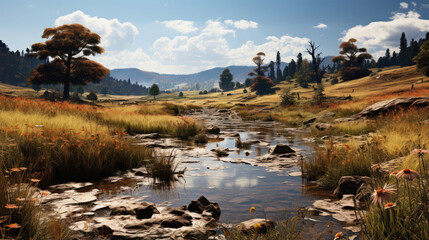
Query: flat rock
x,y
259,225
343,210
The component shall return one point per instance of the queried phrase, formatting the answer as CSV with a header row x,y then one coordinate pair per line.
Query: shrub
x,y
287,98
201,93
334,81
244,90
205,91
352,73
181,94
92,96
200,138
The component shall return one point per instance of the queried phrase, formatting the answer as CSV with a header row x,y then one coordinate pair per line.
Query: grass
x,y
164,167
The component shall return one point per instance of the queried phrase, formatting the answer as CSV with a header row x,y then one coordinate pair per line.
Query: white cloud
x,y
242,24
386,34
414,4
181,26
210,48
403,5
115,36
321,26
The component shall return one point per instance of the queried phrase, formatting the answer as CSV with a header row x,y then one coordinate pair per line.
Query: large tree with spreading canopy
x,y
68,47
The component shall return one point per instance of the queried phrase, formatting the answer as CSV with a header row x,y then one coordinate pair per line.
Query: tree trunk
x,y
66,93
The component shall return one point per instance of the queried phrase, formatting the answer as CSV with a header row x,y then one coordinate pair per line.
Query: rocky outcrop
x,y
350,185
384,107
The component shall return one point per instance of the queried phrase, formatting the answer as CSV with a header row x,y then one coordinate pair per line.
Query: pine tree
x,y
292,68
299,62
285,72
403,53
226,78
271,67
279,71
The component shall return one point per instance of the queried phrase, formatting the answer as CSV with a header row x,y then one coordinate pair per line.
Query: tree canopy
x,y
154,90
351,55
226,78
422,59
68,46
262,84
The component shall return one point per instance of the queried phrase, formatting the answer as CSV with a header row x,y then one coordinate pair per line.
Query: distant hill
x,y
206,78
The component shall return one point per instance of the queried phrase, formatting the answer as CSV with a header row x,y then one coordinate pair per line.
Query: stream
x,y
235,181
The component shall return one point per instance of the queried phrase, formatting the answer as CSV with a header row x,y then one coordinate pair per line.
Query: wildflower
x,y
257,225
383,194
252,209
11,206
13,225
389,205
407,174
394,173
421,151
338,236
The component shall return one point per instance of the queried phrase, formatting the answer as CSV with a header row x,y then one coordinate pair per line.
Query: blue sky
x,y
188,36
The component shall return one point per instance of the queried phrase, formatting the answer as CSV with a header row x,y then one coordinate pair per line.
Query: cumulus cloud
x,y
321,26
210,48
385,34
403,5
181,26
242,24
115,36
414,4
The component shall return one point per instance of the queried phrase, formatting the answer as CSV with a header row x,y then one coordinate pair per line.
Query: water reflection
x,y
167,189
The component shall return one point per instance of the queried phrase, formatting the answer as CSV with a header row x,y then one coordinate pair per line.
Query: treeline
x,y
405,55
16,66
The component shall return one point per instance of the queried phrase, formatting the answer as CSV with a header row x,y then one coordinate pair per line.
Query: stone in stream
x,y
282,149
146,210
343,210
213,130
260,225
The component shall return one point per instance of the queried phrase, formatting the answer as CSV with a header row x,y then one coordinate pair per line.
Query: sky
x,y
187,36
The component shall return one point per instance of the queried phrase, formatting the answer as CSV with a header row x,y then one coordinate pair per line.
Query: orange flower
x,y
389,205
34,180
393,173
338,236
45,193
11,206
13,225
15,170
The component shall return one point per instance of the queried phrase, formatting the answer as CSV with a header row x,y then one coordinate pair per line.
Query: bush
x,y
205,91
352,73
334,81
201,93
287,98
181,94
244,90
92,96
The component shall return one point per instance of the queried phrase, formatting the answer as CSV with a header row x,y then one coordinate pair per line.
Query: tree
x,y
352,58
316,61
154,90
68,47
351,55
278,64
92,96
226,78
272,75
181,94
299,62
422,59
262,84
403,51
285,72
292,68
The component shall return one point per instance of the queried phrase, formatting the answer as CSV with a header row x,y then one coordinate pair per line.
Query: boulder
x,y
175,222
213,130
260,225
322,126
202,204
195,206
384,107
350,185
282,149
146,210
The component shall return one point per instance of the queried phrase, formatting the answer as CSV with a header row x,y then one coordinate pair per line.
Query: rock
x,y
388,106
213,130
149,136
388,166
350,185
282,149
104,230
259,225
295,174
195,206
203,200
175,222
322,126
309,121
221,152
342,210
146,210
214,209
229,94
121,210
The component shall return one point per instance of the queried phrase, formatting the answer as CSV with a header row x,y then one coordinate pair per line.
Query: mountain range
x,y
206,79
